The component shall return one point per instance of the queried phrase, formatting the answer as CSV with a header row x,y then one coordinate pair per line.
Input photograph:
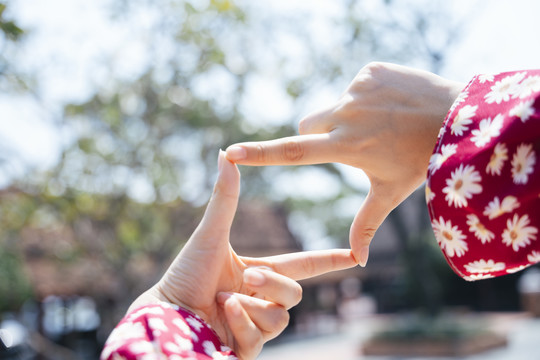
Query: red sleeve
x,y
483,187
164,331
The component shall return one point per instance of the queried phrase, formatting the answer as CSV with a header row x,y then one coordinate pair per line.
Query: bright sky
x,y
502,35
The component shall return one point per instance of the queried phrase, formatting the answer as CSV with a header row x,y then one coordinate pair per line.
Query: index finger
x,y
306,264
293,150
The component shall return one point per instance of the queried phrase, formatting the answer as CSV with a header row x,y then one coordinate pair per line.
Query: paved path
x,y
345,344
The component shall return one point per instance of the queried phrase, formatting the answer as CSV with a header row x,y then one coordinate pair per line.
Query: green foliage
x,y
10,80
14,285
8,27
420,327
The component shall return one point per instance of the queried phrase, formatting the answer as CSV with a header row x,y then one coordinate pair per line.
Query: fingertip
x,y
228,172
222,297
254,277
232,306
363,256
224,161
247,336
221,208
236,153
360,248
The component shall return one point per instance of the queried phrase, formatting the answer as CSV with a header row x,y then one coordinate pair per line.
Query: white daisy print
x,y
478,229
181,324
128,331
461,98
194,323
436,160
157,324
442,131
210,350
450,238
183,343
151,310
523,110
523,163
482,266
220,356
209,347
225,348
430,195
487,130
463,183
463,119
486,78
528,86
475,277
142,347
503,89
496,208
534,257
517,233
172,347
497,160
517,269
169,305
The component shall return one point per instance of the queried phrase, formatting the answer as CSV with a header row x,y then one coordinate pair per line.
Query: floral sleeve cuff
x,y
164,331
483,187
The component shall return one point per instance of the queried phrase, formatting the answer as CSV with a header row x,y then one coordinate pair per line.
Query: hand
x,y
245,300
386,123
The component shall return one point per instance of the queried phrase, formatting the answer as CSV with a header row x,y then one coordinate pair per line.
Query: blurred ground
x,y
345,342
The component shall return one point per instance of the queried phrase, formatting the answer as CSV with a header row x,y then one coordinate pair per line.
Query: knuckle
x,y
309,265
261,153
293,151
222,191
368,232
334,261
374,66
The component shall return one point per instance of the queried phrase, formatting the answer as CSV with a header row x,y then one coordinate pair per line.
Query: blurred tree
x,y
14,285
9,33
141,157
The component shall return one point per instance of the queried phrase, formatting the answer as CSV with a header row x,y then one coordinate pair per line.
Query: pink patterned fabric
x,y
164,331
483,187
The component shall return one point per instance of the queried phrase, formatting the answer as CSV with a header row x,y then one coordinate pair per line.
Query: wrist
x,y
451,91
447,91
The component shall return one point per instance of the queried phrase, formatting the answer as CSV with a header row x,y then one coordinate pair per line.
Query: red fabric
x,y
483,187
164,331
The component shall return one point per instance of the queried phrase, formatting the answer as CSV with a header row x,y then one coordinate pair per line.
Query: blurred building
x,y
81,296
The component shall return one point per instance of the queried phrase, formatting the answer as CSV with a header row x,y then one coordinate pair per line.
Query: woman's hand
x,y
245,300
386,123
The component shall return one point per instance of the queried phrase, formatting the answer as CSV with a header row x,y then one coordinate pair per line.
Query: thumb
x,y
221,209
366,222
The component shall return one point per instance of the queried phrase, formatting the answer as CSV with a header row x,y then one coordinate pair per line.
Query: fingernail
x,y
222,297
236,153
254,277
234,305
363,257
221,160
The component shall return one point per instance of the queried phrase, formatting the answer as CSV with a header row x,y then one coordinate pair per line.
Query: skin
x,y
245,300
385,123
